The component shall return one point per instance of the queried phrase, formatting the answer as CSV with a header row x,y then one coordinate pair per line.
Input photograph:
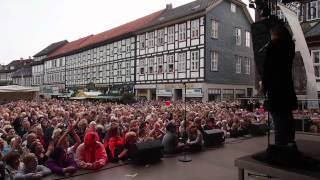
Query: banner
x,y
302,47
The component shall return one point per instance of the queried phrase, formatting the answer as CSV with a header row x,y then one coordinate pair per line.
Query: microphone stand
x,y
185,157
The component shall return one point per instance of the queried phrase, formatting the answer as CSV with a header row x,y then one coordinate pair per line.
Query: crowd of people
x,y
60,137
310,120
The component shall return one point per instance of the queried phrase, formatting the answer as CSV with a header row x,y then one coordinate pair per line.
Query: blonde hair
x,y
83,121
56,133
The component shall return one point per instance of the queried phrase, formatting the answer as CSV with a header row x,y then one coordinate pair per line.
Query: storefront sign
x,y
194,92
145,86
164,92
181,86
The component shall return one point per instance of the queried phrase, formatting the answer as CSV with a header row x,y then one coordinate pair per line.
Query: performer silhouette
x,y
278,85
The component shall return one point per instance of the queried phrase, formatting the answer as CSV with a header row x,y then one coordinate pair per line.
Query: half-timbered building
x,y
38,67
201,50
106,60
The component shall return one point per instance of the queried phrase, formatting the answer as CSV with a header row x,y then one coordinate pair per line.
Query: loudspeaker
x,y
214,137
258,129
147,152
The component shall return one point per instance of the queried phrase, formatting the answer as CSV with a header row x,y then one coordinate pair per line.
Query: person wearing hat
x,y
91,154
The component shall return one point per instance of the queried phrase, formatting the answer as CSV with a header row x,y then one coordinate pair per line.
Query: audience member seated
x,y
31,169
91,154
130,140
195,139
209,124
37,149
64,141
170,140
113,144
12,161
60,163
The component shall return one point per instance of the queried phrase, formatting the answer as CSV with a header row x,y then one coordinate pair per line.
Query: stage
x,y
309,147
210,164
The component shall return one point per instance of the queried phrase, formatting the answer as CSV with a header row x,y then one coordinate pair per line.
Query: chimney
x,y
29,57
21,58
169,6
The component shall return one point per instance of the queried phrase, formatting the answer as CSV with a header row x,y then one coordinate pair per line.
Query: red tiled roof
x,y
123,29
104,36
68,47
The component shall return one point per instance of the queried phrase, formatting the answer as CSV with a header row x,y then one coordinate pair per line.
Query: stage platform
x,y
309,147
216,164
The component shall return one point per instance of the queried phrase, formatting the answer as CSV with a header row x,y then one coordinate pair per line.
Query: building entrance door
x,y
178,93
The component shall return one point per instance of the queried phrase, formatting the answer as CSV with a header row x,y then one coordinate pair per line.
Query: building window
x,y
214,60
316,62
150,65
61,62
182,62
195,29
195,61
142,39
128,68
111,50
54,63
160,64
312,10
119,69
247,65
300,12
170,63
182,32
238,36
151,39
238,64
128,45
115,49
111,70
233,8
214,29
160,37
171,34
248,39
142,65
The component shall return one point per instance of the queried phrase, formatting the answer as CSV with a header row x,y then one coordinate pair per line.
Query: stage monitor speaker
x,y
147,152
260,38
258,129
214,137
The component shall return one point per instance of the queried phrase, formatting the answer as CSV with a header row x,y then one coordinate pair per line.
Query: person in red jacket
x,y
91,153
114,144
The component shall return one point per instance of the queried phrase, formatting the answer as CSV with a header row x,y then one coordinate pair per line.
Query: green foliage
x,y
74,93
128,98
5,83
91,86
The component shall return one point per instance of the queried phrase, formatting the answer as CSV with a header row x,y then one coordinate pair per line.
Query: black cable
x,y
90,172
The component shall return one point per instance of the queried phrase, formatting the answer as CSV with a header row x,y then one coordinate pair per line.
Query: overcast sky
x,y
28,26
